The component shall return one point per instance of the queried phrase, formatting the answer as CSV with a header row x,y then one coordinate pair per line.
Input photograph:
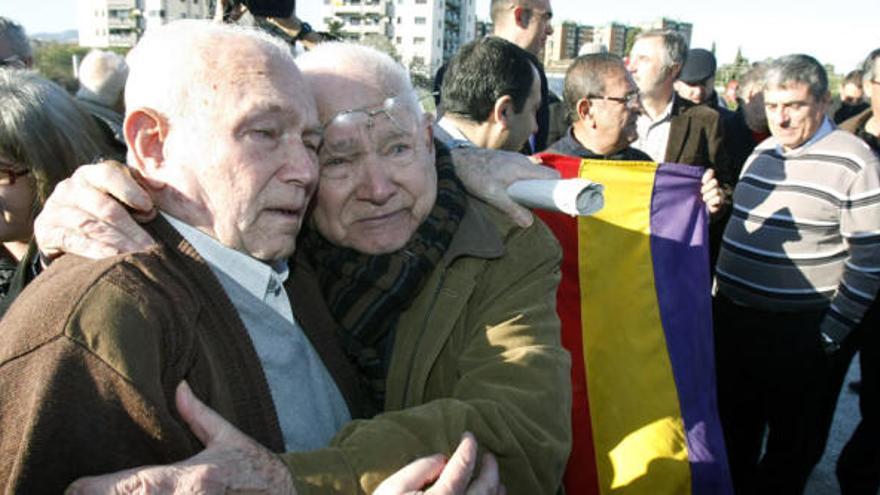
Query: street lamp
x,y
137,16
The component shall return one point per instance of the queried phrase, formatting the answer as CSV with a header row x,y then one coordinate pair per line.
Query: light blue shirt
x,y
308,403
450,135
824,130
263,281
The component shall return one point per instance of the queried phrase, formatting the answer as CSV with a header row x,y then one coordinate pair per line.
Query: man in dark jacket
x,y
672,129
525,23
858,468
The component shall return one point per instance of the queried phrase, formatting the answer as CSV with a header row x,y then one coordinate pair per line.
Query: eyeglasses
x,y
8,175
630,99
389,129
394,108
14,62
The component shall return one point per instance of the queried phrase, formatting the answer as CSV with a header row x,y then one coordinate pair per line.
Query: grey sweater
x,y
804,232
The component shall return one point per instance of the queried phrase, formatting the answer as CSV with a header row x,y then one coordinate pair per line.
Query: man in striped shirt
x,y
799,264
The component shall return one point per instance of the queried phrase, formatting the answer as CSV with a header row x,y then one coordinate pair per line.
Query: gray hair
x,y
869,66
43,129
754,77
102,77
173,63
674,44
586,76
16,37
798,69
371,66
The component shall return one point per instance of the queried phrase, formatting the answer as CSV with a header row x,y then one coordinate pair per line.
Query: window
x,y
418,40
420,21
398,40
422,2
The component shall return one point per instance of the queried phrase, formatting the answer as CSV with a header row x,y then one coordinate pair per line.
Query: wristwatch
x,y
304,30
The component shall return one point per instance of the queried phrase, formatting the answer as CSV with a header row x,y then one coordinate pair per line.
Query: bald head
x,y
331,68
102,77
378,179
223,129
173,67
525,23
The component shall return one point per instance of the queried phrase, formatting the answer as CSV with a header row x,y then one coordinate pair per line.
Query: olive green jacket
x,y
479,350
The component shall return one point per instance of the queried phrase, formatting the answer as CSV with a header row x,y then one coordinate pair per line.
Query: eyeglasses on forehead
x,y
395,108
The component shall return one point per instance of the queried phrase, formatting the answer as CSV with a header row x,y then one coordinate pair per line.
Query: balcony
x,y
361,8
119,23
121,4
122,39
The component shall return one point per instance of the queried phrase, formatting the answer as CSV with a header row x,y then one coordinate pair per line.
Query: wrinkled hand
x,y
487,174
713,195
231,462
452,477
86,214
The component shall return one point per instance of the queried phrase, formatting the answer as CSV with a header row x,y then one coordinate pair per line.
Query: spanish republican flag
x,y
635,307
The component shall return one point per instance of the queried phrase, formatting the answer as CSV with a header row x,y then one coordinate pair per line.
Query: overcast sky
x,y
841,34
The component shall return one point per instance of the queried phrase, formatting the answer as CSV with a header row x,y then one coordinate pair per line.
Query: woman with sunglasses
x,y
44,135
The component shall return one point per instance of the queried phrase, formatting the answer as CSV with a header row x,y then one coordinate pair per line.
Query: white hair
x,y
371,66
171,65
102,77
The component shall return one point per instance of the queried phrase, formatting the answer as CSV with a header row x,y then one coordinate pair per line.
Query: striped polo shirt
x,y
804,231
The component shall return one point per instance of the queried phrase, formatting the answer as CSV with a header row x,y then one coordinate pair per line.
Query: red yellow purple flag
x,y
635,307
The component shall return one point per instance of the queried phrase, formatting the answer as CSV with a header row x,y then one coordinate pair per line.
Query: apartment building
x,y
685,28
118,23
613,36
361,18
566,41
424,33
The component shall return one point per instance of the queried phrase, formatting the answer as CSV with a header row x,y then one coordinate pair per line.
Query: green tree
x,y
334,28
55,61
631,34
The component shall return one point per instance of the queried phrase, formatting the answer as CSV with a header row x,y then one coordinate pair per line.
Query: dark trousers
x,y
774,378
858,468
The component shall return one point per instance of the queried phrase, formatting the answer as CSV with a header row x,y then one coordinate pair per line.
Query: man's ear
x,y
145,132
502,110
521,17
429,131
674,71
583,109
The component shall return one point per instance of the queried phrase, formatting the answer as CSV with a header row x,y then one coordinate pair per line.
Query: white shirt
x,y
654,134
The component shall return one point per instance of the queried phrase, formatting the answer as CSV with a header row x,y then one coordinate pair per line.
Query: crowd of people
x,y
225,267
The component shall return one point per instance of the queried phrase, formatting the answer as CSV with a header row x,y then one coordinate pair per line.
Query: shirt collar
x,y
257,277
666,115
824,130
454,137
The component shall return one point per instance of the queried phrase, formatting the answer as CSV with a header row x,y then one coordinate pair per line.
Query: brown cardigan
x,y
695,138
92,351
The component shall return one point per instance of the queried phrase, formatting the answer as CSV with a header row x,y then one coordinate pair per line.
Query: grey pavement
x,y
823,481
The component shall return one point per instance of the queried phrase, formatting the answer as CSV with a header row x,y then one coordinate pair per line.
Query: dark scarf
x,y
366,294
